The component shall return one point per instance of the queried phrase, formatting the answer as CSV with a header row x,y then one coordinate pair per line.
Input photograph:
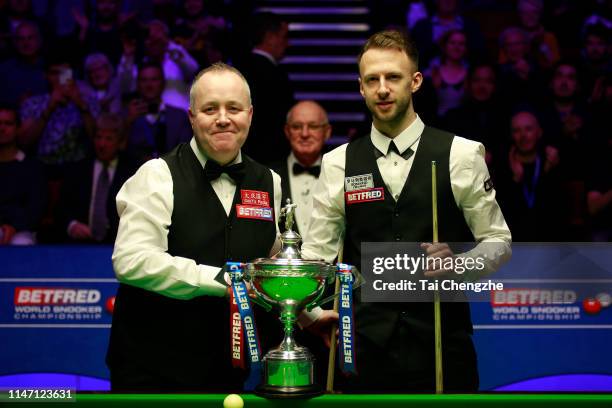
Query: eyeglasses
x,y
313,127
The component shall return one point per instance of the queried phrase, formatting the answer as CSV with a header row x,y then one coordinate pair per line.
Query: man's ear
x,y
361,91
417,81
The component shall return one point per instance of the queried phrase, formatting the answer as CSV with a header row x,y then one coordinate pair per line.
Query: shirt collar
x,y
265,54
403,141
111,165
152,117
202,157
292,159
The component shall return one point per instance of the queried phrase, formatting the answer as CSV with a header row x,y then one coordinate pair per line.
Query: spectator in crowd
x,y
101,34
571,113
17,12
154,126
307,130
22,186
101,84
201,33
543,43
428,32
262,70
448,73
23,75
179,67
482,117
600,13
88,194
599,193
598,180
596,59
528,184
60,124
518,74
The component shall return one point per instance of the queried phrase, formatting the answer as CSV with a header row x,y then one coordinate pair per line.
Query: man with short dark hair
x,y
59,125
395,341
271,88
22,186
155,127
24,75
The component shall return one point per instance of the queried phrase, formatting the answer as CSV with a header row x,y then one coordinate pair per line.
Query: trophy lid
x,y
288,261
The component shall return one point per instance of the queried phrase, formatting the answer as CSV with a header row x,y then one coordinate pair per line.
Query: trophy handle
x,y
358,280
256,299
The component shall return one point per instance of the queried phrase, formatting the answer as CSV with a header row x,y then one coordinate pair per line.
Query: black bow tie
x,y
299,169
214,170
393,148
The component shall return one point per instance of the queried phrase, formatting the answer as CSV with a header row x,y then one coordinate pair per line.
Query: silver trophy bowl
x,y
289,284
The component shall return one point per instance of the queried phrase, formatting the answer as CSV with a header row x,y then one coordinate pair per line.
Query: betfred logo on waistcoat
x,y
364,196
254,212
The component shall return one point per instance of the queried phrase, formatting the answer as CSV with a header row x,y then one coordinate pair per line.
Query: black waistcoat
x,y
187,341
409,220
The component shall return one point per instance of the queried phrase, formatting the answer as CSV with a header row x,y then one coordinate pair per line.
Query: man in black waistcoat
x,y
180,221
395,341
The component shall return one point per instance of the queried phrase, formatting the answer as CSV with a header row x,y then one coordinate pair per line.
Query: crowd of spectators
x,y
93,88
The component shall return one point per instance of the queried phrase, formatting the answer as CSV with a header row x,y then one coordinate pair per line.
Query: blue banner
x,y
248,324
346,345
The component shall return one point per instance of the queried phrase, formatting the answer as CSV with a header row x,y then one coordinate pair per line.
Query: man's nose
x,y
222,119
383,90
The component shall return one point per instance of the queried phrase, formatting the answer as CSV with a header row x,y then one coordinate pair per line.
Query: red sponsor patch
x,y
254,212
254,197
364,196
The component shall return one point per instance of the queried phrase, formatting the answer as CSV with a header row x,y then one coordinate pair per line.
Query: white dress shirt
x,y
145,204
468,172
301,186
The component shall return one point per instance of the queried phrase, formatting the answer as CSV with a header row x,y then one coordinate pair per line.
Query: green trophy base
x,y
289,374
291,392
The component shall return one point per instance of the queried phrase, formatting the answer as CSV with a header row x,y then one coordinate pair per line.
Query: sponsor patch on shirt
x,y
256,198
254,212
488,184
364,196
361,182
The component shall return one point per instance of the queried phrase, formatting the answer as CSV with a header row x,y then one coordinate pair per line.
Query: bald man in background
x,y
307,129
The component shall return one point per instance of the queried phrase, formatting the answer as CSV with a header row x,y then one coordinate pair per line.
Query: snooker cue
x,y
437,316
331,362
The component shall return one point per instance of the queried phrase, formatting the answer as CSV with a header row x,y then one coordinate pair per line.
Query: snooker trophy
x,y
289,284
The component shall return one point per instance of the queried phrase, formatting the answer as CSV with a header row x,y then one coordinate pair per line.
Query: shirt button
x,y
396,213
395,163
398,237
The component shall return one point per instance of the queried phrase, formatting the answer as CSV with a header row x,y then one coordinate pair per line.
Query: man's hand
x,y
322,326
441,251
79,231
57,98
6,233
73,93
515,165
136,108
